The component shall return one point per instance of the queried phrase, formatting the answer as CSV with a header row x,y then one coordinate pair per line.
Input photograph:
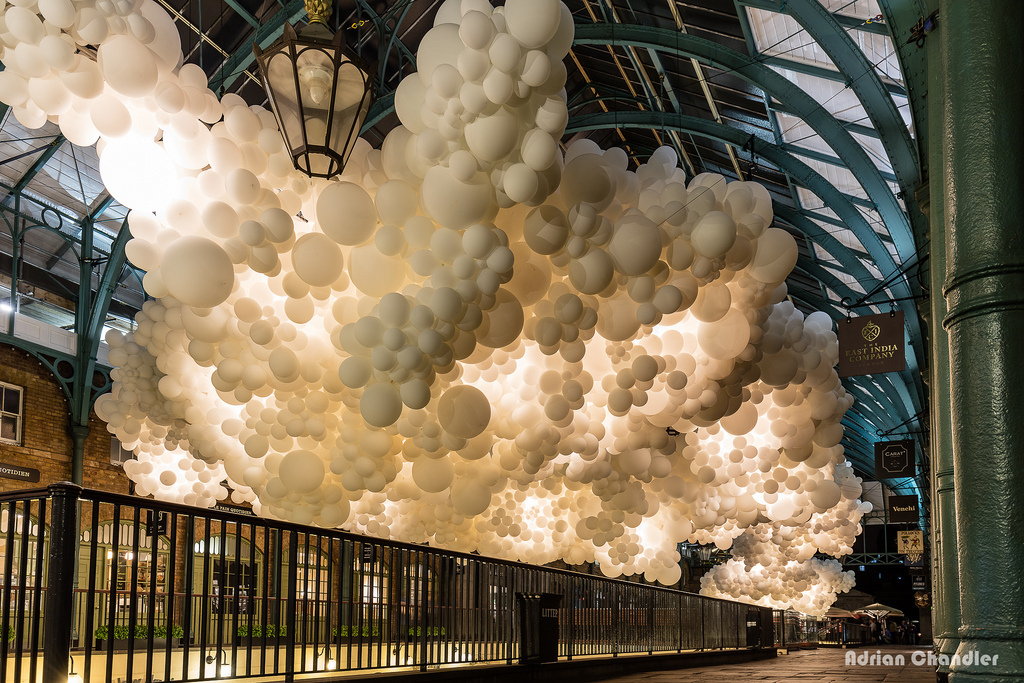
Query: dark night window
x,y
119,455
10,413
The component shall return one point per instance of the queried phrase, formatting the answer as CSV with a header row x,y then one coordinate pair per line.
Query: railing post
x,y
60,581
650,622
511,581
679,623
424,612
616,606
703,630
293,571
571,646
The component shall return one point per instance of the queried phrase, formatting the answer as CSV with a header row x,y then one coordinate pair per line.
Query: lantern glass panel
x,y
284,98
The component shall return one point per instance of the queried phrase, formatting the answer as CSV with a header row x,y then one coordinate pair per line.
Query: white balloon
x,y
302,471
346,214
137,173
317,260
375,274
464,411
128,66
380,404
533,22
455,203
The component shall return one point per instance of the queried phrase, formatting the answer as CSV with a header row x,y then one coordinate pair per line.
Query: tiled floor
x,y
804,666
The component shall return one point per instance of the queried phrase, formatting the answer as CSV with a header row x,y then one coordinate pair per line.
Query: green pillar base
x,y
975,644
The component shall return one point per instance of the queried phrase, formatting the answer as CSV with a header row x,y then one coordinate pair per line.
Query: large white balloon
x,y
197,272
346,214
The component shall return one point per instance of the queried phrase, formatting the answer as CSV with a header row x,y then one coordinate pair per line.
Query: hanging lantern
x,y
320,93
705,553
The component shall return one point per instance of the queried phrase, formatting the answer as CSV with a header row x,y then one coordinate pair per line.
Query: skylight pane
x,y
779,35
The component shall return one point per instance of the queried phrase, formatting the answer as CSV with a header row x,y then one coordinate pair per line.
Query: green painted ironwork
x,y
982,136
41,161
864,81
781,89
266,34
820,72
843,20
945,570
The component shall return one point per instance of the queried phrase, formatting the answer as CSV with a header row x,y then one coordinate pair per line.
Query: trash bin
x,y
538,627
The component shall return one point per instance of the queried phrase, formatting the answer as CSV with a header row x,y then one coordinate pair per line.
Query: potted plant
x,y
431,631
354,632
257,634
177,633
122,637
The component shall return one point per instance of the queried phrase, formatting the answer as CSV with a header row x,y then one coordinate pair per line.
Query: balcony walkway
x,y
803,666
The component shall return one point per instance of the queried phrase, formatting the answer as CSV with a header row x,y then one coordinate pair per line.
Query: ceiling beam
x,y
778,87
41,161
821,72
232,67
827,158
859,129
843,20
102,205
863,79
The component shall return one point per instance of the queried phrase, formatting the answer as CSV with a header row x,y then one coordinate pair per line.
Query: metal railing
x,y
795,630
136,589
843,634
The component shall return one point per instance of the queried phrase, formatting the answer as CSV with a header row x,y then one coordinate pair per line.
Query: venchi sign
x,y
871,344
904,510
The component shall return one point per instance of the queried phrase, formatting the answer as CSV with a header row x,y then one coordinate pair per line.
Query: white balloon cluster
x,y
810,586
773,564
468,339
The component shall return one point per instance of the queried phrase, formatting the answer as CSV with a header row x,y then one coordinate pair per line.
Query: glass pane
x,y
8,427
12,400
316,75
281,78
349,107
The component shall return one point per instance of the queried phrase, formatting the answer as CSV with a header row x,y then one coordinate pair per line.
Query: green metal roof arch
x,y
826,240
778,87
862,78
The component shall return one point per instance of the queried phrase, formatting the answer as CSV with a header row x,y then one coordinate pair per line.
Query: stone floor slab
x,y
801,666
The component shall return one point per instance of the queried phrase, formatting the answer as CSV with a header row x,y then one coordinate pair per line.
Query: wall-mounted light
x,y
223,667
330,663
74,677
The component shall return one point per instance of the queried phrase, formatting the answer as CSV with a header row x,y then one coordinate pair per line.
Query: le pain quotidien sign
x,y
19,473
871,344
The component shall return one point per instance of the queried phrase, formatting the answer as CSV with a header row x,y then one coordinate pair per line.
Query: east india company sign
x,y
870,344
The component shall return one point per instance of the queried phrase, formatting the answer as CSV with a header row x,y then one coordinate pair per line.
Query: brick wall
x,y
46,439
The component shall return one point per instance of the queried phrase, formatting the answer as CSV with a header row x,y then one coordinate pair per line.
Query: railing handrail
x,y
356,597
226,516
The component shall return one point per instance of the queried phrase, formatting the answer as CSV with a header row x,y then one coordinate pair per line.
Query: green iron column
x,y
80,391
945,574
983,137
